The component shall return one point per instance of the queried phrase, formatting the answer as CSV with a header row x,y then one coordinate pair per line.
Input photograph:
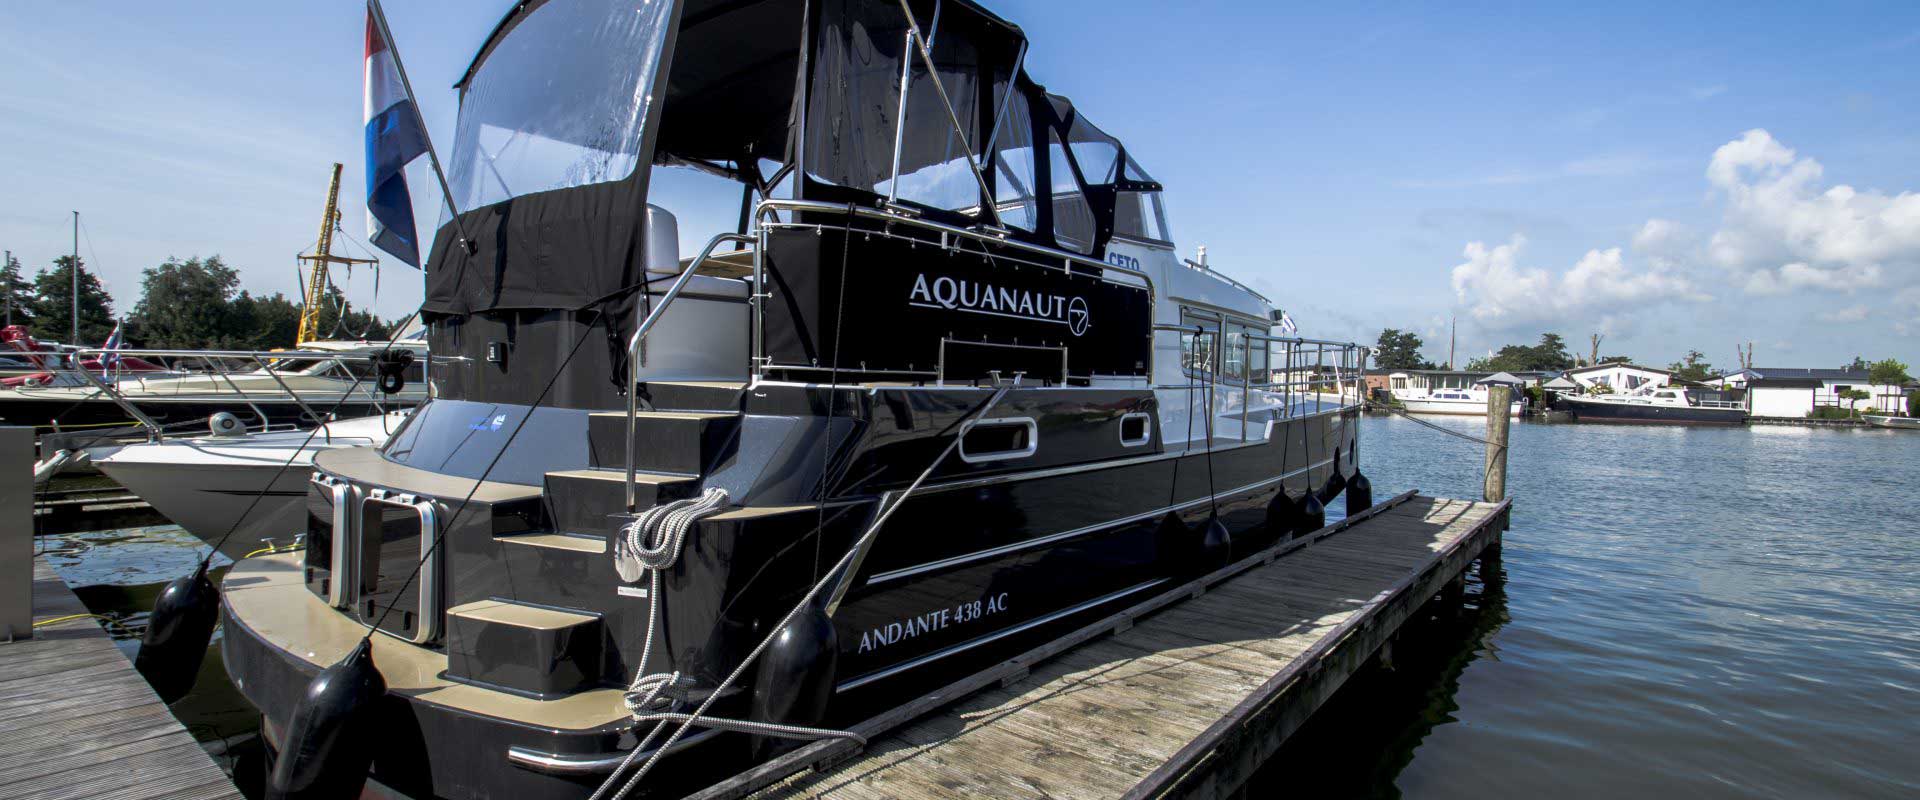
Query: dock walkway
x,y
1185,698
77,721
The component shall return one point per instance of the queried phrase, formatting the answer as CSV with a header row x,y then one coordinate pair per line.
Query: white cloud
x,y
1799,275
1783,230
1498,290
1858,313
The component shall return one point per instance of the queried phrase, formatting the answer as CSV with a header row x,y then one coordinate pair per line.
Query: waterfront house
x,y
1795,392
1619,376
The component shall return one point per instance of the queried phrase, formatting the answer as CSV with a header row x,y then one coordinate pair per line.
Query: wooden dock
x,y
1182,696
77,721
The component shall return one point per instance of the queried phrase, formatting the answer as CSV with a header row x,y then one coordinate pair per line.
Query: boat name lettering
x,y
931,621
959,294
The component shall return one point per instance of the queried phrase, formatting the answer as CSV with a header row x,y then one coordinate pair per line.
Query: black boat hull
x,y
1589,411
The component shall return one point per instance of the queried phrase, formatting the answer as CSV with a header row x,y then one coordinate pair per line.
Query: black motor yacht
x,y
791,355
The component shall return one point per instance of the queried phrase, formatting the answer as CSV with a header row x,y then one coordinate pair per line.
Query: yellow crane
x,y
316,293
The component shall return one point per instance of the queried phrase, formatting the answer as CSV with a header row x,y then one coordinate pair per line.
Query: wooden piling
x,y
1499,399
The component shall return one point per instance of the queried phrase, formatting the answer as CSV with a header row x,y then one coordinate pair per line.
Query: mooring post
x,y
1499,399
16,532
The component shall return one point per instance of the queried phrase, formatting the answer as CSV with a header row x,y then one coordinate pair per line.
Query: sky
x,y
1674,177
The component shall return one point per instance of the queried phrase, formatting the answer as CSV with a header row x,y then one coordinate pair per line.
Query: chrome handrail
x,y
214,370
640,335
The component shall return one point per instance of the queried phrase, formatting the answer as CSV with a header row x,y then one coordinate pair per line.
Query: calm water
x,y
1681,612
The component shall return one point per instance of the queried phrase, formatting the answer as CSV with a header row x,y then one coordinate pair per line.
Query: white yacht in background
x,y
1459,402
206,484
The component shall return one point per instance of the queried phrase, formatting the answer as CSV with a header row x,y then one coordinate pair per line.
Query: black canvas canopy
x,y
814,85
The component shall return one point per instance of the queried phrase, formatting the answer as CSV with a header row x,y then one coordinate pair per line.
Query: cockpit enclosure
x,y
572,106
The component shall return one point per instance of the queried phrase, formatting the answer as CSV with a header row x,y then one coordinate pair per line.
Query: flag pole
x,y
446,193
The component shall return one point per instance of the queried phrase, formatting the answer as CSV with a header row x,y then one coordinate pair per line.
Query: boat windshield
x,y
557,99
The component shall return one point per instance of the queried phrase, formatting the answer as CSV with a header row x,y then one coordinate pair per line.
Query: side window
x,y
1136,214
1013,166
1234,348
1258,352
1197,350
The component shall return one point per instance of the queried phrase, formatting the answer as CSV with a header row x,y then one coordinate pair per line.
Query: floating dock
x,y
1181,696
80,722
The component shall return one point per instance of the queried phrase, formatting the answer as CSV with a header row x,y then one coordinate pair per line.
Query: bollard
x,y
16,532
1498,400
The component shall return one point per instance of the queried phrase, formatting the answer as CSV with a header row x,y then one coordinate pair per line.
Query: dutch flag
x,y
111,358
395,137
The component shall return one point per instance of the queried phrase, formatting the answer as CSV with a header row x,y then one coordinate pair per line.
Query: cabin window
x,y
518,135
999,440
1197,348
1013,182
1072,216
1235,353
1136,429
1137,215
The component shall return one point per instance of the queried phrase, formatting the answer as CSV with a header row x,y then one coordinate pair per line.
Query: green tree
x,y
1616,359
189,305
1888,372
352,324
1854,396
1695,368
52,306
1859,365
1400,350
1550,353
273,320
15,294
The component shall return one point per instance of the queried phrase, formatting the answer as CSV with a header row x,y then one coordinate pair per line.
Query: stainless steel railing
x,y
220,365
640,336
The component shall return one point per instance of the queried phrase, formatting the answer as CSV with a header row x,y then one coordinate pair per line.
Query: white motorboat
x,y
206,484
1884,421
1466,402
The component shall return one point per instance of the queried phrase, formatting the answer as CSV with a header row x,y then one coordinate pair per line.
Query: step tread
x,y
557,541
735,385
520,616
620,476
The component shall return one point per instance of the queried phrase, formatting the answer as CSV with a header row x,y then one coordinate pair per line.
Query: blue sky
x,y
1675,176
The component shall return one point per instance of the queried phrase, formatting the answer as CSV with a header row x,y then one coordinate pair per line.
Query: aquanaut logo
x,y
976,297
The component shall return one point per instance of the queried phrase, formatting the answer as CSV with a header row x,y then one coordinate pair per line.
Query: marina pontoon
x,y
786,357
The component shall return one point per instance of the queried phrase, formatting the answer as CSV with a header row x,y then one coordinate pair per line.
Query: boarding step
x,y
528,649
693,395
680,442
584,500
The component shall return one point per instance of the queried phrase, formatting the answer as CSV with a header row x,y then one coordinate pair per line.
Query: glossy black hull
x,y
985,560
1593,411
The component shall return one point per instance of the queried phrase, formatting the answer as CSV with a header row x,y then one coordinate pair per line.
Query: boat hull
x,y
972,569
210,500
1463,408
1598,411
1897,423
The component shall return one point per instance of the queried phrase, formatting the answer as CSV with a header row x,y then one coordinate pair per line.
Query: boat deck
x,y
81,723
1183,695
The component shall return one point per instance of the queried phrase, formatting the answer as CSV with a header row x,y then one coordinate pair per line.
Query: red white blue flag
x,y
395,137
111,358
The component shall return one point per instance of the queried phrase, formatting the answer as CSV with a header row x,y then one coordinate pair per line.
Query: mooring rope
x,y
1448,431
698,717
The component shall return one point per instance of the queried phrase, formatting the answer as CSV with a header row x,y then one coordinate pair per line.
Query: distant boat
x,y
1903,423
1654,404
1461,402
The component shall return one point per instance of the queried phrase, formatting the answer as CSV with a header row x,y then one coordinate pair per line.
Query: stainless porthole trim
x,y
1032,445
1146,429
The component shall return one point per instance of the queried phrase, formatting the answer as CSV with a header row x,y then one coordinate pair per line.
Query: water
x,y
1693,612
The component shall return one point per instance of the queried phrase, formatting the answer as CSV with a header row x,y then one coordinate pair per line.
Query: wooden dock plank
x,y
80,722
1187,700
